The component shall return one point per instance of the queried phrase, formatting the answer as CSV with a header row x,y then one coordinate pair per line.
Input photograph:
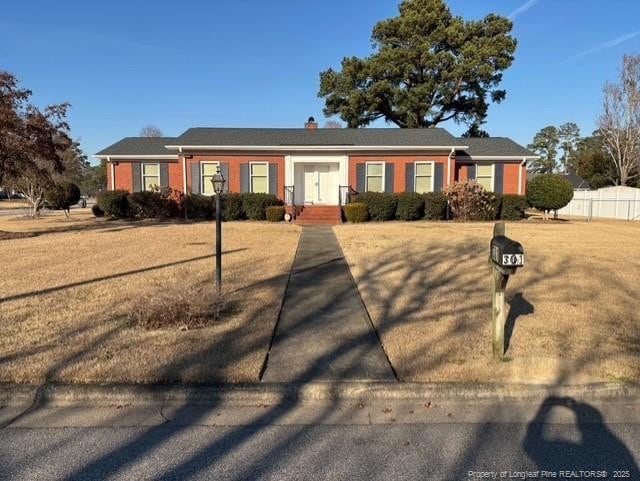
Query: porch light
x,y
218,182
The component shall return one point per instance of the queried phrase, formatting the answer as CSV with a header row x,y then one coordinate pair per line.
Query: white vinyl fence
x,y
616,202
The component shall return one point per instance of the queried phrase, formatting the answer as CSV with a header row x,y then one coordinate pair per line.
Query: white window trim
x,y
202,162
433,174
366,174
143,184
258,162
493,176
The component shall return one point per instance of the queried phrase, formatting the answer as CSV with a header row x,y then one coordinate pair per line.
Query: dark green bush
x,y
97,211
114,203
62,196
381,205
275,213
149,205
410,206
435,206
199,207
513,206
549,192
356,212
232,207
255,205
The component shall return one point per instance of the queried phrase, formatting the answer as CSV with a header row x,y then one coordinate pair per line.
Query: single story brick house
x,y
315,167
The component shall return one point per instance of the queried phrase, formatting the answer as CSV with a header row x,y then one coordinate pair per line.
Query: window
x,y
484,176
150,176
424,177
375,177
207,170
259,177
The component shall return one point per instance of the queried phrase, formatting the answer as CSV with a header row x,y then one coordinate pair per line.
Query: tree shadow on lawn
x,y
210,456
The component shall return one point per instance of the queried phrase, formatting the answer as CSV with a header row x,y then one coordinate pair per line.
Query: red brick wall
x,y
124,176
399,162
234,162
511,178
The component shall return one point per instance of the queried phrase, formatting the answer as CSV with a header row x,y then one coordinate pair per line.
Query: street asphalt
x,y
381,439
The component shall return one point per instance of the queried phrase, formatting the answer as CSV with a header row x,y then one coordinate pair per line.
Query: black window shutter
x,y
195,178
361,173
498,181
244,177
388,177
409,175
438,177
224,170
164,175
273,179
471,172
137,177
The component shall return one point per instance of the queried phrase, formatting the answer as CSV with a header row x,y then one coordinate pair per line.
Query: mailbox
x,y
506,253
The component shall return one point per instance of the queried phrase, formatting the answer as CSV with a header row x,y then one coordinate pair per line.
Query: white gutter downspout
x,y
113,173
522,164
451,154
184,172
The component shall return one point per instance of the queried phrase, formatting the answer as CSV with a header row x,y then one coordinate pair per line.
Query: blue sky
x,y
241,63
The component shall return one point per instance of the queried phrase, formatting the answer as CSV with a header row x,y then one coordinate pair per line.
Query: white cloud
x,y
523,8
606,45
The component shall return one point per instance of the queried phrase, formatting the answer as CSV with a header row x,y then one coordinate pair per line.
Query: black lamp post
x,y
218,187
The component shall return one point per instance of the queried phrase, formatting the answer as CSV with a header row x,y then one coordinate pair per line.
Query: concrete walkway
x,y
324,332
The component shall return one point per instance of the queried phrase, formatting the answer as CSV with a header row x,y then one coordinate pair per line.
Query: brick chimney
x,y
311,123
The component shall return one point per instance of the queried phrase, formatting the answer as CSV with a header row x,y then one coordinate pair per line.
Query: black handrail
x,y
290,199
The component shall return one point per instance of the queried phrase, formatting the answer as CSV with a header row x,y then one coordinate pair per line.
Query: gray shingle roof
x,y
498,146
301,137
139,146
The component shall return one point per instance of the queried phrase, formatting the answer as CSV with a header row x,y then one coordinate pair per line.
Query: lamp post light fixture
x,y
218,182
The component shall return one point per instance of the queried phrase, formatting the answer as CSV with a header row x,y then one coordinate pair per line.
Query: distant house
x,y
311,166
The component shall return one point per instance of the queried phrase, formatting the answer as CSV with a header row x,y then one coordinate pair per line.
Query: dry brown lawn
x,y
12,204
67,295
574,308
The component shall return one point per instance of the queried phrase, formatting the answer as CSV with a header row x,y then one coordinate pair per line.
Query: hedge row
x,y
409,206
383,206
121,204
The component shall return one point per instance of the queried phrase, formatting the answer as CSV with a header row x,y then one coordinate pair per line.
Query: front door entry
x,y
317,184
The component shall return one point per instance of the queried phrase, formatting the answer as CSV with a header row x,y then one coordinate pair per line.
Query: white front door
x,y
319,182
310,184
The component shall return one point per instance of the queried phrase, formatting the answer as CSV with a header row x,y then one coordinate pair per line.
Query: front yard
x,y
67,294
574,307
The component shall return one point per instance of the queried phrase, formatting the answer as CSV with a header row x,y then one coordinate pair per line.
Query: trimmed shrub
x,y
114,203
356,212
469,201
231,207
148,205
410,206
513,206
381,205
275,213
97,211
199,207
435,206
255,205
549,192
495,207
62,196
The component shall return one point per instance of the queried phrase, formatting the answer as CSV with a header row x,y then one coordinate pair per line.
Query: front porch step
x,y
319,214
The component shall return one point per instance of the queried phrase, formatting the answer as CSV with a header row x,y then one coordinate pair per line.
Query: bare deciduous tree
x,y
333,124
619,123
150,131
